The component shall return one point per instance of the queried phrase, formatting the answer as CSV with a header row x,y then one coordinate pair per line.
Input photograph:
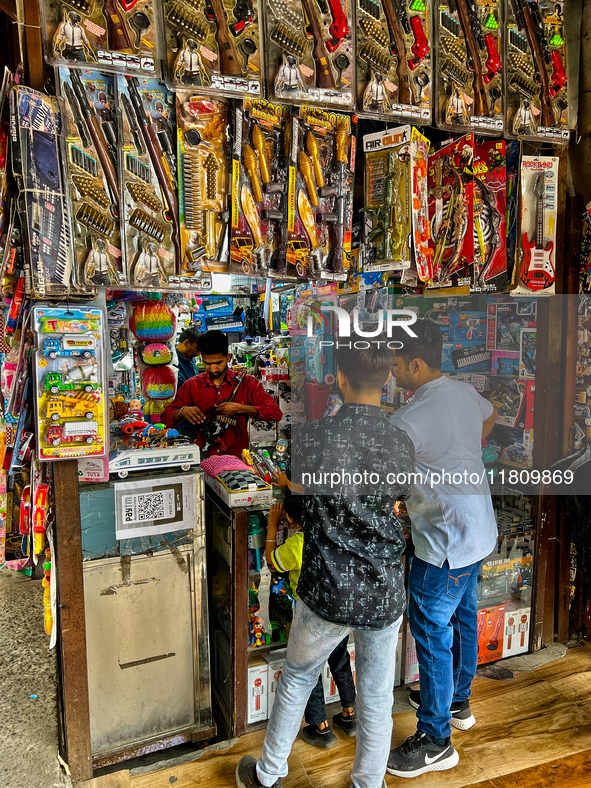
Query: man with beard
x,y
207,395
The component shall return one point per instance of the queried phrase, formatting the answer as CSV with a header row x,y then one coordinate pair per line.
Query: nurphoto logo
x,y
386,317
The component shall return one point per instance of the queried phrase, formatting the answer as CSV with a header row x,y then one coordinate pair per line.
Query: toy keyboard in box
x,y
469,356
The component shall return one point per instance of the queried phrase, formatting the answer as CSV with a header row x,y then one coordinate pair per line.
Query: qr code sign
x,y
148,507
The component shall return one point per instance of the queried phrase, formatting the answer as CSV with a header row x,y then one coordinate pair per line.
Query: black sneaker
x,y
325,738
246,774
461,714
419,754
347,724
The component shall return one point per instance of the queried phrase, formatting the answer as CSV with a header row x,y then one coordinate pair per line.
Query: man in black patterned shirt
x,y
353,468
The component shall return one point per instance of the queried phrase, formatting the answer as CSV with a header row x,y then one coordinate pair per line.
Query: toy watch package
x,y
309,51
490,181
536,102
214,45
469,93
202,141
90,158
70,379
421,227
394,59
387,220
114,35
539,211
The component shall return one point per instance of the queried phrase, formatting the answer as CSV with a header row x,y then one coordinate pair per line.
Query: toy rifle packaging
x,y
394,59
536,103
387,219
214,45
91,160
539,211
263,183
421,227
309,51
451,212
490,190
202,139
116,35
470,89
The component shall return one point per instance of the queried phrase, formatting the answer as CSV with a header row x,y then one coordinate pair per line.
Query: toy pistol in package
x,y
539,211
116,35
91,160
536,91
490,185
309,51
387,219
394,59
148,183
470,91
202,136
70,379
214,45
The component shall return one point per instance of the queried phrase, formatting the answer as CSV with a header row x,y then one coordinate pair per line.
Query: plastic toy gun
x,y
470,23
397,22
76,114
229,64
158,159
342,197
244,15
324,74
117,34
339,27
558,73
493,61
529,19
420,48
133,125
214,427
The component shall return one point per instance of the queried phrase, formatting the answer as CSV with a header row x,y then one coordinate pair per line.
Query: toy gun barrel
x,y
481,108
398,48
324,74
475,23
525,13
400,11
76,114
133,124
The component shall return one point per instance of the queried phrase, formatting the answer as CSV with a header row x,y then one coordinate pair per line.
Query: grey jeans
x,y
311,641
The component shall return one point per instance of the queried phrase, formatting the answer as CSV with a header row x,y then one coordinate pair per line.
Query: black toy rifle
x,y
76,115
468,17
528,18
229,64
342,197
214,427
133,124
397,22
324,74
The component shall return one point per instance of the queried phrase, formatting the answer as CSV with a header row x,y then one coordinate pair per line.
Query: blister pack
x,y
421,227
490,199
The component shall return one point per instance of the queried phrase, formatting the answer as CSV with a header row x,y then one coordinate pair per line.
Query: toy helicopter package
x,y
202,139
539,212
469,94
309,52
71,411
387,219
394,59
490,189
536,91
91,161
214,46
113,35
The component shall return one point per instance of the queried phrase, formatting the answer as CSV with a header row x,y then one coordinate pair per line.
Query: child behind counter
x,y
288,558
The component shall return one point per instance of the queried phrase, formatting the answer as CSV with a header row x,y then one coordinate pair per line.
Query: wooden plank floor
x,y
531,732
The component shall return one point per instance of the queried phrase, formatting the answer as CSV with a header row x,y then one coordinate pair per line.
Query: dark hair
x,y
190,335
213,343
365,369
427,345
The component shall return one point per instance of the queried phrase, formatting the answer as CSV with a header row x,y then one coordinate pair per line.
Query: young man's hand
x,y
276,514
229,408
192,413
281,479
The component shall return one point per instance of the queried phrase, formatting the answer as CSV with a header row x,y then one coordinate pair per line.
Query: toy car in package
x,y
70,378
309,51
469,94
114,35
536,103
394,59
490,251
91,162
203,147
214,45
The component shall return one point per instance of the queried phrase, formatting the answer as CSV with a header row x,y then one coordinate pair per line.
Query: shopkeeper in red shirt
x,y
206,395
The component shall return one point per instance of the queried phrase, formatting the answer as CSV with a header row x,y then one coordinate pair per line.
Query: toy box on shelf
x,y
504,321
517,630
257,688
490,634
506,574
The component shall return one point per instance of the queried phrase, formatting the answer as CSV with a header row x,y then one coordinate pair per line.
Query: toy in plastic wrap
x,y
421,227
202,138
309,51
70,381
536,90
116,35
214,45
490,257
394,59
470,81
91,164
387,220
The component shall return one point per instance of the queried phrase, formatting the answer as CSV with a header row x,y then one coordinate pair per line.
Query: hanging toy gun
x,y
339,27
558,73
324,74
76,114
214,427
493,61
215,13
342,197
117,34
528,18
420,48
397,22
470,23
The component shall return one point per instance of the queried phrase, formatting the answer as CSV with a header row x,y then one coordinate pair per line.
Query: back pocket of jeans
x,y
457,585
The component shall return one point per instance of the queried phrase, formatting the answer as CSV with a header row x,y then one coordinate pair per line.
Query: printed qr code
x,y
150,506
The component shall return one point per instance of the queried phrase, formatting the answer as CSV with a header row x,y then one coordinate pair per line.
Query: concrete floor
x,y
28,726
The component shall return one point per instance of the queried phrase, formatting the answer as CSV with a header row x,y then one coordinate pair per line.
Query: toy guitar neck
x,y
537,270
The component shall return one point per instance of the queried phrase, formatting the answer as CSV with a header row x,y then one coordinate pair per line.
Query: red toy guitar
x,y
537,270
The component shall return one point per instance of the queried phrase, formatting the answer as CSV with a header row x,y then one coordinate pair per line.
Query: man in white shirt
x,y
453,530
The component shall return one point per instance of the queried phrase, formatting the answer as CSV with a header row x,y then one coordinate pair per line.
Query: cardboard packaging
x,y
257,689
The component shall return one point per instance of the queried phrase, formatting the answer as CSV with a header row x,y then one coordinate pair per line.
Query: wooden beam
x,y
31,43
9,8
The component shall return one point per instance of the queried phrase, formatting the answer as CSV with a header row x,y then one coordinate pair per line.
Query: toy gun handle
x,y
523,13
398,48
229,65
117,33
133,125
480,100
493,62
558,73
339,27
324,74
420,48
76,115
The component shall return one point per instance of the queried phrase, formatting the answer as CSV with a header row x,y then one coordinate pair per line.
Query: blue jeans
x,y
443,620
311,641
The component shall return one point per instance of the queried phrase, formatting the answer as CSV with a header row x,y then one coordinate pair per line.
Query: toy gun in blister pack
x,y
529,19
420,48
133,124
117,33
339,27
343,194
228,57
77,116
324,74
470,23
398,25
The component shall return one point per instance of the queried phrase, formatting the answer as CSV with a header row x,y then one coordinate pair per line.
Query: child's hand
x,y
276,514
281,479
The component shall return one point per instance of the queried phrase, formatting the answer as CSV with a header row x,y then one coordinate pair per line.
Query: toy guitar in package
x,y
91,160
536,102
262,163
214,45
539,211
470,83
387,220
116,35
70,379
490,182
421,227
309,51
451,212
202,139
394,59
